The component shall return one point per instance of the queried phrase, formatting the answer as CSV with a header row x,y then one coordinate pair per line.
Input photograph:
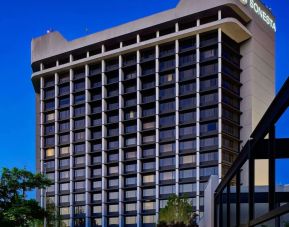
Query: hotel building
x,y
130,115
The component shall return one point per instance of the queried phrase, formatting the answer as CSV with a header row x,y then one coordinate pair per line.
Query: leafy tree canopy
x,y
177,213
15,208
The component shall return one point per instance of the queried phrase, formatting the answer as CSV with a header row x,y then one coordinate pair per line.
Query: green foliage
x,y
177,213
15,208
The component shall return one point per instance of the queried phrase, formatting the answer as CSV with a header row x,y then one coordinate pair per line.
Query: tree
x,y
177,213
15,208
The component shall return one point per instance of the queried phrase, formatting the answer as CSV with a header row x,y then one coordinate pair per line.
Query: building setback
x,y
130,115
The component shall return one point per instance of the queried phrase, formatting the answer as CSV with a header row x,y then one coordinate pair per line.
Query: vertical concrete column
x,y
42,150
121,144
220,102
139,113
56,149
198,119
157,176
71,148
177,114
87,149
103,145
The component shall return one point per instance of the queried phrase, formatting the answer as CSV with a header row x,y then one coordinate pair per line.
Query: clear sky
x,y
20,21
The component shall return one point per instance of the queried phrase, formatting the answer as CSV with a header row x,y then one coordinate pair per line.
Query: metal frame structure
x,y
262,145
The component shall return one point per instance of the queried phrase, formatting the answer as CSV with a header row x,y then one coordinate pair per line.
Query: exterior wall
x,y
257,90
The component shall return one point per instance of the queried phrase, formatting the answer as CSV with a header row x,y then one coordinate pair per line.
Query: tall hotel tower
x,y
130,115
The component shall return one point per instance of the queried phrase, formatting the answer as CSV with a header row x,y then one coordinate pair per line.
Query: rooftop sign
x,y
261,12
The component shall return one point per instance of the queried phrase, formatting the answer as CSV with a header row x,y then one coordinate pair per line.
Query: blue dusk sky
x,y
21,21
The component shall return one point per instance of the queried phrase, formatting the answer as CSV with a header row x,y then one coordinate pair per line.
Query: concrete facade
x,y
227,38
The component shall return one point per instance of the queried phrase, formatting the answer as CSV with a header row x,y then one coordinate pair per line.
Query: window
x,y
79,173
130,128
130,181
130,115
167,121
49,105
149,219
79,185
209,142
113,195
167,190
113,157
63,139
208,54
96,160
187,88
148,139
167,107
50,117
130,168
64,126
130,220
149,192
96,197
167,162
79,197
64,210
147,152
209,99
167,148
187,74
207,157
130,141
167,176
209,128
148,206
130,194
64,175
167,93
96,184
148,125
166,78
187,159
64,187
49,129
50,165
147,179
209,113
187,173
64,102
208,84
64,162
96,172
130,154
187,188
96,210
208,171
50,141
130,207
187,145
113,221
187,131
79,148
113,170
49,152
113,144
79,111
79,124
63,90
187,117
79,136
64,114
79,210
186,103
79,160
148,166
113,208
167,134
64,199
64,150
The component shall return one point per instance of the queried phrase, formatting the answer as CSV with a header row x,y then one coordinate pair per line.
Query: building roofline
x,y
53,44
